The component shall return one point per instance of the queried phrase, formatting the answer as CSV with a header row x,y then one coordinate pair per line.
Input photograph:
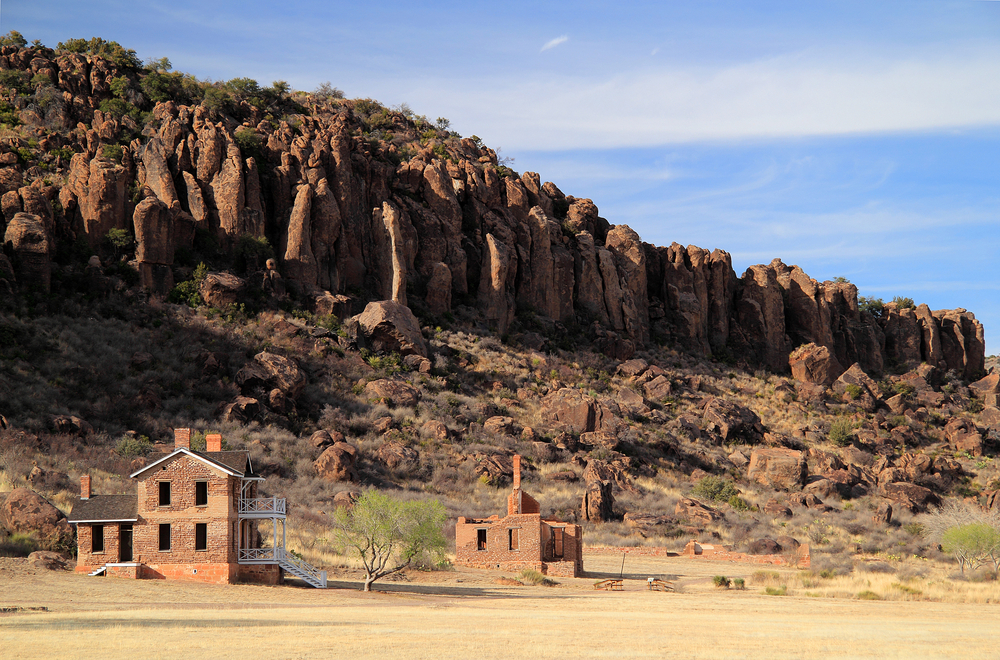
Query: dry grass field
x,y
466,614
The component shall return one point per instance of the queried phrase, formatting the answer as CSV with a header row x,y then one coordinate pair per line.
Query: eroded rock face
x,y
779,468
391,327
569,409
696,512
598,502
916,499
282,372
222,289
732,421
33,250
393,392
814,364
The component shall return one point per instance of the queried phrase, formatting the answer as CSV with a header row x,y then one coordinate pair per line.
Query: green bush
x,y
721,581
716,488
841,432
739,584
854,391
251,254
130,447
13,38
111,50
738,503
112,152
531,576
249,142
904,303
776,591
868,595
186,293
872,305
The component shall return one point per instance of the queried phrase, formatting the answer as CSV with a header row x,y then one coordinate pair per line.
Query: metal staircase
x,y
99,570
273,509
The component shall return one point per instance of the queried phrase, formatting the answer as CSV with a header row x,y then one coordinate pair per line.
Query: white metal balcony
x,y
262,507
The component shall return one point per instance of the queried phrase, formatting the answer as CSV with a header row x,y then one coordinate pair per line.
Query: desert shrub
x,y
776,591
251,254
531,576
327,91
721,581
13,38
841,432
249,142
17,545
739,584
876,567
112,152
765,577
854,391
868,595
903,302
716,488
132,446
872,305
125,58
186,293
738,503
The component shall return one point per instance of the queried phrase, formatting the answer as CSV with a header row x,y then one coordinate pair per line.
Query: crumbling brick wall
x,y
87,560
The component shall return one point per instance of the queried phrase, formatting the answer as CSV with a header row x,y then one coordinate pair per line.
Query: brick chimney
x,y
85,487
213,442
182,438
517,471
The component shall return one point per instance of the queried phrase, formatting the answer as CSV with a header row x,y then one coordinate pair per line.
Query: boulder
x,y
856,377
242,410
787,542
32,248
26,512
393,454
648,523
494,469
777,509
567,476
732,421
911,496
764,547
569,409
336,463
222,290
391,327
434,429
632,368
696,512
323,439
658,389
383,425
71,425
499,425
809,501
282,372
615,472
883,514
48,479
777,468
598,502
345,499
393,392
814,364
48,560
990,417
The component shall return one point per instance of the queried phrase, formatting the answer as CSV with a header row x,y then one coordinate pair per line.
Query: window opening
x,y
164,537
97,533
201,536
513,538
164,493
480,539
200,493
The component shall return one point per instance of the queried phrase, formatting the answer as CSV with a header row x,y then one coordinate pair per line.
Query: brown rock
x,y
732,421
394,392
495,301
345,499
567,476
910,496
495,469
857,377
33,250
299,262
778,468
282,372
71,425
571,410
383,425
777,509
336,463
632,368
28,512
764,547
391,327
435,429
814,364
808,500
222,290
658,389
439,289
990,417
242,410
323,439
393,454
630,260
696,512
499,425
648,523
883,515
42,479
598,502
48,560
99,186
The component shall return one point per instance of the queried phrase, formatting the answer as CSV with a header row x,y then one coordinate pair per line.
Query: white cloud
x,y
554,42
806,94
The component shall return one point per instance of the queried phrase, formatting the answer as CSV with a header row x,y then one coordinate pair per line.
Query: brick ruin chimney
x,y
517,471
182,438
85,487
213,442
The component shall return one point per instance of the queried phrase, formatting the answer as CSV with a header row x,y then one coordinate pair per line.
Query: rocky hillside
x,y
360,296
361,200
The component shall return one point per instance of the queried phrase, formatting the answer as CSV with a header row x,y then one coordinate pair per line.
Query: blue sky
x,y
854,139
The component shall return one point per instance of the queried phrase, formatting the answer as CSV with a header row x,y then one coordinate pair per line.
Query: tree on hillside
x,y
386,534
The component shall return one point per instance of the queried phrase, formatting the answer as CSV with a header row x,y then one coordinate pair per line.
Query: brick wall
x,y
498,552
86,558
219,573
261,574
182,515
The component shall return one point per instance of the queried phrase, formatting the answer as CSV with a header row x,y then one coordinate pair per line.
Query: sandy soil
x,y
465,613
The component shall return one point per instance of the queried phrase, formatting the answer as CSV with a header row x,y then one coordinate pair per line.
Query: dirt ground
x,y
466,613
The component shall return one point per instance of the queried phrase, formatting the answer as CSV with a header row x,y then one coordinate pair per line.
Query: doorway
x,y
125,543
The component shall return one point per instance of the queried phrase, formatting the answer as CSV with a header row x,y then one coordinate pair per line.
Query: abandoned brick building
x,y
521,539
195,516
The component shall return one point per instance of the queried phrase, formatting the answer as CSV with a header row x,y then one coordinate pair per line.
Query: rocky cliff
x,y
358,199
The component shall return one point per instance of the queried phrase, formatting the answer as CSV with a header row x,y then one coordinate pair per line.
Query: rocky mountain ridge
x,y
361,200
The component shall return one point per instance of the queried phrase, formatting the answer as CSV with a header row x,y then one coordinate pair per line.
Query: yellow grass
x,y
465,614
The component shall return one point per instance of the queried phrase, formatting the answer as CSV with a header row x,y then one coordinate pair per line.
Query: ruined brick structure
x,y
521,539
194,516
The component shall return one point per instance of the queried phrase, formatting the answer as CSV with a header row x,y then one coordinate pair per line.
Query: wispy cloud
x,y
554,42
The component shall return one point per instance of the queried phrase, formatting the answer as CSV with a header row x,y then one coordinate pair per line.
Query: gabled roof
x,y
105,508
235,463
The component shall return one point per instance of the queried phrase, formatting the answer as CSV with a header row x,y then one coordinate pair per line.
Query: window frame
x,y
198,486
164,489
97,532
482,539
514,539
164,533
201,529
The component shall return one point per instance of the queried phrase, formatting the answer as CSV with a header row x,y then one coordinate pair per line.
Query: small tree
x,y
386,534
972,544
